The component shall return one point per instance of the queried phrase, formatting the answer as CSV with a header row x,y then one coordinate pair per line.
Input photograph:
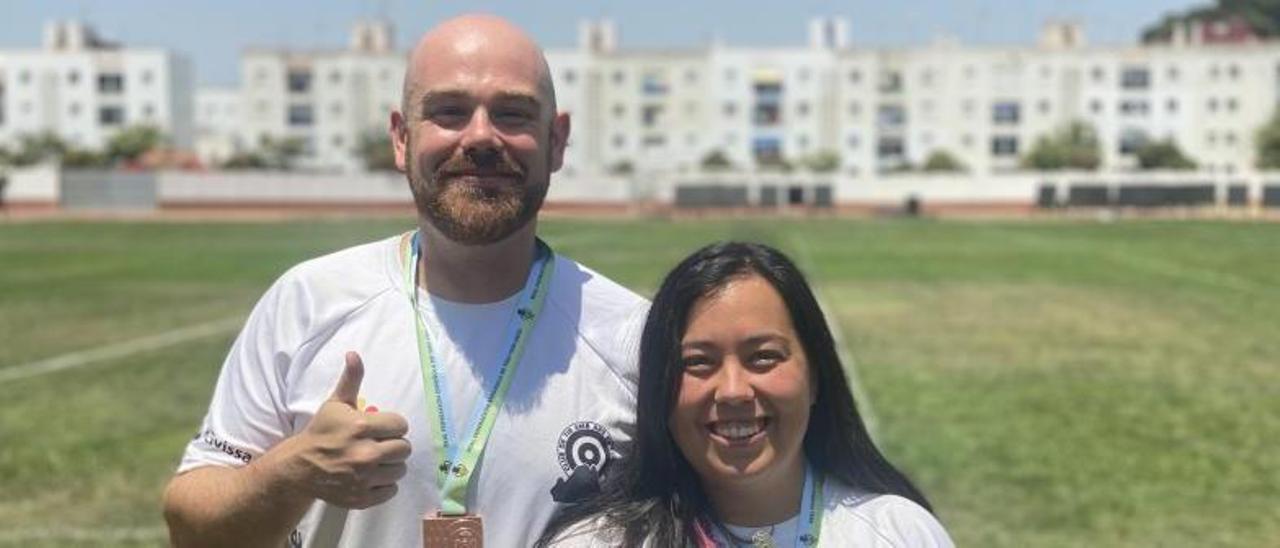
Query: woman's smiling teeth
x,y
738,429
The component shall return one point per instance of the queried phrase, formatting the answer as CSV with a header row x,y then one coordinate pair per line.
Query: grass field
x,y
1047,384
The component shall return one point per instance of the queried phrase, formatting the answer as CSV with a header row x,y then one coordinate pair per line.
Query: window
x,y
1043,106
891,147
300,115
1098,74
1004,146
24,77
768,114
299,81
147,77
1229,138
74,110
148,111
110,83
653,84
1135,78
1233,72
1095,106
855,77
890,81
335,109
730,109
1171,105
655,141
336,141
855,109
73,77
691,76
619,110
619,77
802,143
730,75
803,74
619,140
1005,112
1232,104
111,116
1213,104
802,109
651,115
1171,74
1131,140
926,78
891,116
767,149
852,142
1134,107
569,76
335,77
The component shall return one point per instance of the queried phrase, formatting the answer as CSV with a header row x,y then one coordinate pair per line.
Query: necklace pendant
x,y
762,538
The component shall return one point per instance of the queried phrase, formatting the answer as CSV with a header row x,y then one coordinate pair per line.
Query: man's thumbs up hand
x,y
348,388
345,456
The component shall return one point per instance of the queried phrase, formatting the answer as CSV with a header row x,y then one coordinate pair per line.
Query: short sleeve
x,y
248,413
895,521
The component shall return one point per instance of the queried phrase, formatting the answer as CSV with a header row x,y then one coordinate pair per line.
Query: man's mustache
x,y
492,164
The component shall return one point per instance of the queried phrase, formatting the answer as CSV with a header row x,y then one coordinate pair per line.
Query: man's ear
x,y
399,133
559,139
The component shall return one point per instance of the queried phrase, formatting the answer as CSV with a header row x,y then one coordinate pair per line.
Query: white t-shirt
x,y
573,393
850,518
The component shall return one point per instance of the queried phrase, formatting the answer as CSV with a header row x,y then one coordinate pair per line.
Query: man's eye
x,y
446,112
512,116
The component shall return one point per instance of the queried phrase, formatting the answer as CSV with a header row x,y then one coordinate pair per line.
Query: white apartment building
x,y
329,100
876,110
84,89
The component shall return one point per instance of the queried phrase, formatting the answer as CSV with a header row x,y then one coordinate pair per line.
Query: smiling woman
x,y
747,432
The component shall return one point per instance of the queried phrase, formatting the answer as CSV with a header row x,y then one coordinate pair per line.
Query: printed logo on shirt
x,y
584,449
212,440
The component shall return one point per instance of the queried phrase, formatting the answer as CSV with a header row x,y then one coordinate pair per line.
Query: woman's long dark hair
x,y
654,493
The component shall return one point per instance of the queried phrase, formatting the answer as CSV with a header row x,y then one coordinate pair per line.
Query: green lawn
x,y
1047,384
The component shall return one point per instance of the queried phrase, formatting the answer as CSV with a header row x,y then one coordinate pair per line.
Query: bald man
x,y
453,383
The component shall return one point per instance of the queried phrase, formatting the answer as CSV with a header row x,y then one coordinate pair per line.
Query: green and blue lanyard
x,y
453,475
810,517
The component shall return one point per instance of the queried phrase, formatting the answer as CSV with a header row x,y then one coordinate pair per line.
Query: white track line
x,y
119,350
860,396
84,535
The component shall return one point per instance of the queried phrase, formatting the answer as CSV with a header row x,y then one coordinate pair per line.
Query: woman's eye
x,y
695,362
766,358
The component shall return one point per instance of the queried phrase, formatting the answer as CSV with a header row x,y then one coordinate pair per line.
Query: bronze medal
x,y
464,531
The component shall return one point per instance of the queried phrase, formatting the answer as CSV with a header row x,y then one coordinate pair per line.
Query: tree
x,y
1262,16
1268,142
376,151
1074,146
940,160
38,147
271,154
716,161
622,167
824,161
84,158
132,142
1163,155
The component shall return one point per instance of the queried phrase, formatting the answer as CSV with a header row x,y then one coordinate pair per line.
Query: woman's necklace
x,y
763,538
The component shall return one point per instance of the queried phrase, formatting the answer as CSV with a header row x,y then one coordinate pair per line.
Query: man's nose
x,y
479,132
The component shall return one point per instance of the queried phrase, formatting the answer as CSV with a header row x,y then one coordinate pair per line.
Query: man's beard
x,y
471,214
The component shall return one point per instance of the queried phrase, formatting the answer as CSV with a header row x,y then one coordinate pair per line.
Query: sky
x,y
213,33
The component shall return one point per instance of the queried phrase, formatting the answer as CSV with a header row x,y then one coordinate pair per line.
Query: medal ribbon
x,y
809,519
453,475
